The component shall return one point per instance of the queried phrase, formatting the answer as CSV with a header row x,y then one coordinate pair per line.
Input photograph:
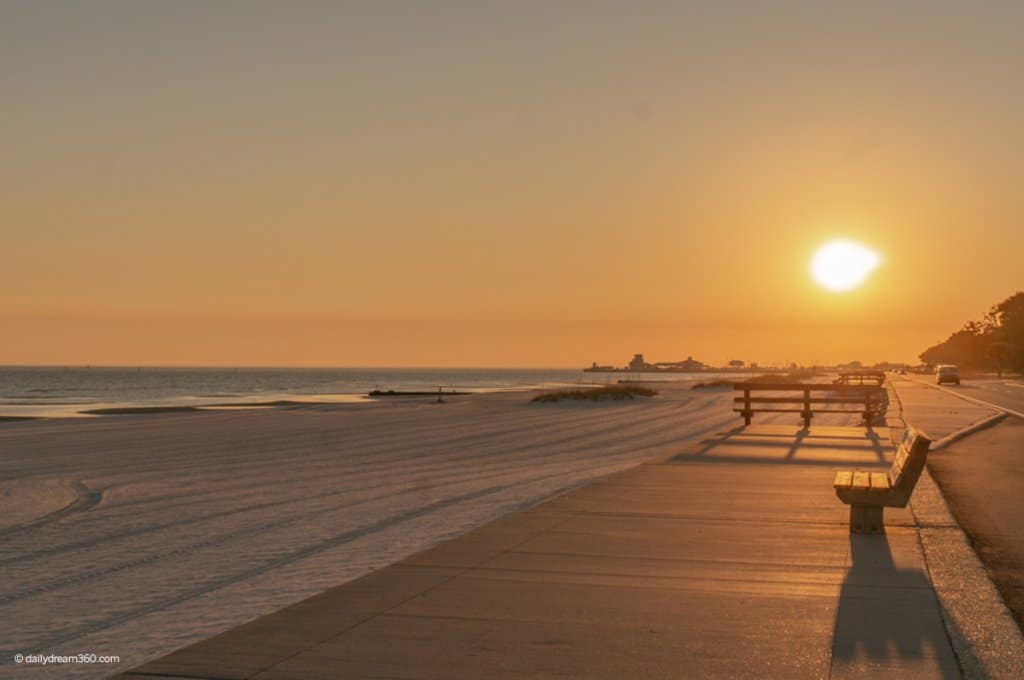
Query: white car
x,y
947,373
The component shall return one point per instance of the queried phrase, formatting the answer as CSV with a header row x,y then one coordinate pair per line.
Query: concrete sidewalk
x,y
731,559
937,412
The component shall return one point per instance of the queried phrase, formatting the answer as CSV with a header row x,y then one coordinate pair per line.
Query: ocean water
x,y
66,391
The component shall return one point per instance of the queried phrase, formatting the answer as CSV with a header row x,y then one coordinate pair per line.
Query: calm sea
x,y
66,391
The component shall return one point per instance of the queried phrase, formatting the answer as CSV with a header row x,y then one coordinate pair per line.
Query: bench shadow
x,y
683,458
801,439
888,615
801,435
709,444
789,435
876,443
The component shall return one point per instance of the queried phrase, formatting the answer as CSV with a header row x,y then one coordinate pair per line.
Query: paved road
x,y
982,477
1007,394
939,412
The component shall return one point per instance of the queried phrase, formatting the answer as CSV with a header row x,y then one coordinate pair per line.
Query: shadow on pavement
x,y
802,439
888,616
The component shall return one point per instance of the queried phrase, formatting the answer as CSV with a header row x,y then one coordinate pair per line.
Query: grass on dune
x,y
792,376
715,384
710,384
601,393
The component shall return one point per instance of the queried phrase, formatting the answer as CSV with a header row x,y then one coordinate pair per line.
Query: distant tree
x,y
998,352
737,363
965,348
1009,329
887,365
995,342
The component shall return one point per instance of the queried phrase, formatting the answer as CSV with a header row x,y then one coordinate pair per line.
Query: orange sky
x,y
251,184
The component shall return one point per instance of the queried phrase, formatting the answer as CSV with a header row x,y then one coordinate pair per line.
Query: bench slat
x,y
911,459
800,410
799,400
861,481
868,401
843,480
800,387
898,465
879,482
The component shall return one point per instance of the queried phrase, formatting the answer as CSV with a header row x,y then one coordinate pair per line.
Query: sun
x,y
842,265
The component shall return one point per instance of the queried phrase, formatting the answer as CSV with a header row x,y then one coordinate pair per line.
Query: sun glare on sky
x,y
473,184
842,265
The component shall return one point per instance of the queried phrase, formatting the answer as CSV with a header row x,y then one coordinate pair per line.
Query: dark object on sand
x,y
414,393
138,410
712,384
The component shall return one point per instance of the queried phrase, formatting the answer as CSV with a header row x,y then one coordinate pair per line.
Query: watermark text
x,y
40,659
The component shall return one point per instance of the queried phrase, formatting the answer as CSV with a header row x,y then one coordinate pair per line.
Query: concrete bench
x,y
868,493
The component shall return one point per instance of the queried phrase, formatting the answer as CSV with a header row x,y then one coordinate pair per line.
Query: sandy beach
x,y
135,535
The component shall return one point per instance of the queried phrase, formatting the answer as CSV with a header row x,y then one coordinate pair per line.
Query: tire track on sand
x,y
85,500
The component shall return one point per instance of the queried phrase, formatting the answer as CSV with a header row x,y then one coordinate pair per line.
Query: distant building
x,y
691,364
638,363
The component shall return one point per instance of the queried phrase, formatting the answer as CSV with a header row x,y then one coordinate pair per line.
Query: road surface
x,y
982,475
1006,394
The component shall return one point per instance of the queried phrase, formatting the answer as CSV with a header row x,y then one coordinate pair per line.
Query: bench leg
x,y
866,519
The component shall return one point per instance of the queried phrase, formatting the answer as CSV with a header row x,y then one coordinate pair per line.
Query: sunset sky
x,y
516,184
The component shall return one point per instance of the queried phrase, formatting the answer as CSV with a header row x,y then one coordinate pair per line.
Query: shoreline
x,y
70,404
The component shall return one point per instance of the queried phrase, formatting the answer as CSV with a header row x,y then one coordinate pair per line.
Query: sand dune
x,y
173,527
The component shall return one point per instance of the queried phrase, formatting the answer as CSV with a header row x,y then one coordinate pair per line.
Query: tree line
x,y
996,342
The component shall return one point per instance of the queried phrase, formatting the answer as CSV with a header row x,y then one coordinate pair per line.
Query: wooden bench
x,y
868,493
869,402
863,377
